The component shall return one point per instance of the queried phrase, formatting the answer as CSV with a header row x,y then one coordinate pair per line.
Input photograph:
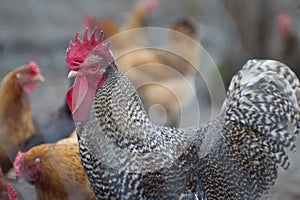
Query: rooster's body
x,y
126,156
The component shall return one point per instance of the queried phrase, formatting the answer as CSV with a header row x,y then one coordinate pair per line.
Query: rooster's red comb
x,y
77,51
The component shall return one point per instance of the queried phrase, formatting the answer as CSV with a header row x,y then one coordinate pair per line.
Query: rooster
x,y
126,156
15,114
56,172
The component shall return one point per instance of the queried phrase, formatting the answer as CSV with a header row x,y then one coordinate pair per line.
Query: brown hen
x,y
56,172
15,113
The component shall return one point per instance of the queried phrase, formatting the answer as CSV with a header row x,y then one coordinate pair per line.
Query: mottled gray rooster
x,y
126,156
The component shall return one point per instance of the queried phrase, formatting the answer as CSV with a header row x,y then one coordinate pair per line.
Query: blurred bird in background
x,y
163,77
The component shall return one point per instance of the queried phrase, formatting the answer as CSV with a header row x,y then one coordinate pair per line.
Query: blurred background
x,y
230,31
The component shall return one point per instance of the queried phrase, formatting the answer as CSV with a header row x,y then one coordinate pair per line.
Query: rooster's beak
x,y
72,74
39,78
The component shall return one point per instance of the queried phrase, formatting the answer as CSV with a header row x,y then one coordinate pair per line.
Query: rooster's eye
x,y
93,67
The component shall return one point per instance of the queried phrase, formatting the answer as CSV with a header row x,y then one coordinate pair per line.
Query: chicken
x,y
136,19
15,113
56,172
176,91
138,16
182,50
90,21
123,41
234,156
283,22
69,140
6,191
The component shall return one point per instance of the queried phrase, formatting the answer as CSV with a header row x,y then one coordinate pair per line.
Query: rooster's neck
x,y
119,131
119,109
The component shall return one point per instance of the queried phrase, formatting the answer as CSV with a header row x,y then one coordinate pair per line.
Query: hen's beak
x,y
72,74
39,78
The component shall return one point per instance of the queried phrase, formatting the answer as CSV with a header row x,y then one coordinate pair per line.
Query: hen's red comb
x,y
283,21
77,51
34,67
12,195
18,163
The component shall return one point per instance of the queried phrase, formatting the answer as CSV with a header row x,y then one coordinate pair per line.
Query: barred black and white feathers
x,y
265,96
235,156
261,120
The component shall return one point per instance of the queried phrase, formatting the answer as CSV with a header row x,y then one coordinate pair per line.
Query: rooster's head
x,y
88,60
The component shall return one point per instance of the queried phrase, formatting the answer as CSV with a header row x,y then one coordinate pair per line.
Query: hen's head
x,y
185,25
283,21
28,168
88,59
28,76
89,21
